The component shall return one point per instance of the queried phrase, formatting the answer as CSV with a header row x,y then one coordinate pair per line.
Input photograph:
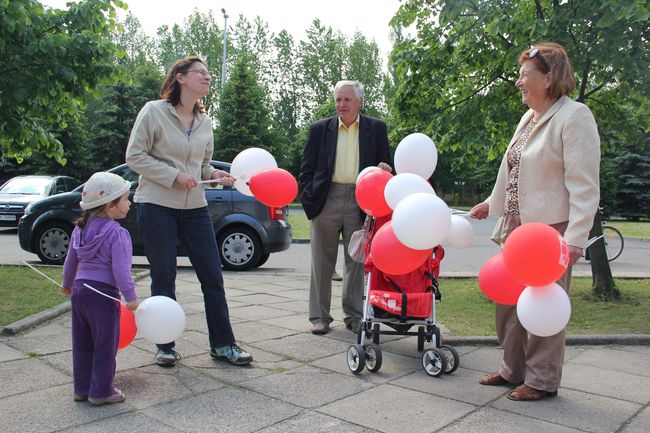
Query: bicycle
x,y
613,239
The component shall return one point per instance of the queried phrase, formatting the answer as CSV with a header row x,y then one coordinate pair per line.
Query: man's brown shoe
x,y
526,393
493,379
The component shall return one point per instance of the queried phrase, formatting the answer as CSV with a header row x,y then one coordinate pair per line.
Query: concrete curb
x,y
571,340
38,318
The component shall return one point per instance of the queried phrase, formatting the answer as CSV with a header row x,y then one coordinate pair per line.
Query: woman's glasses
x,y
202,72
535,52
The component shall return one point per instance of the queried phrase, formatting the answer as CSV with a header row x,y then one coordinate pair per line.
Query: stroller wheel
x,y
373,357
434,362
356,358
453,360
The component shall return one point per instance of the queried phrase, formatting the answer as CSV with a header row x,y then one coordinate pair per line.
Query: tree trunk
x,y
603,287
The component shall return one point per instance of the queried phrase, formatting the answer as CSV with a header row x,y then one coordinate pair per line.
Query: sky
x,y
370,17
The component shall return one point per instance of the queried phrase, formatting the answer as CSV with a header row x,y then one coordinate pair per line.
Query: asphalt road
x,y
635,260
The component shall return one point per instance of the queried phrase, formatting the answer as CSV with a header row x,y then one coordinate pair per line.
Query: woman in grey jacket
x,y
171,147
549,174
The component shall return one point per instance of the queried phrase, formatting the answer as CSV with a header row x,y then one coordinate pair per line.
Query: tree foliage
x,y
455,77
244,114
49,61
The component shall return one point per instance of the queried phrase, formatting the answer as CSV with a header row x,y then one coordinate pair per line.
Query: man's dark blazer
x,y
319,155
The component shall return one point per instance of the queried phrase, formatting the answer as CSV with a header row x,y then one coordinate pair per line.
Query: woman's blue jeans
x,y
159,227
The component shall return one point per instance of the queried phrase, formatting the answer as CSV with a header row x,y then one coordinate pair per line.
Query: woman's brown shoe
x,y
526,393
493,379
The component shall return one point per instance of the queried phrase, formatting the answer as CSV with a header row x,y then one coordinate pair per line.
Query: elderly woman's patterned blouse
x,y
514,160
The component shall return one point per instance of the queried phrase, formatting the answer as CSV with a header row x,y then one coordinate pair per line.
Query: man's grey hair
x,y
356,86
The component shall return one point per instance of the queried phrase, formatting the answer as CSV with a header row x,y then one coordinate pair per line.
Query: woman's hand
x,y
385,167
480,211
185,180
133,305
65,290
224,178
575,254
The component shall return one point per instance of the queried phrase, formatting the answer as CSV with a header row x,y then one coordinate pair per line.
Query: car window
x,y
130,176
59,186
27,185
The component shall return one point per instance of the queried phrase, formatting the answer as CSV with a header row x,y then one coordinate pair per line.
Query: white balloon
x,y
366,170
417,154
242,186
544,311
251,161
160,319
461,232
402,185
421,221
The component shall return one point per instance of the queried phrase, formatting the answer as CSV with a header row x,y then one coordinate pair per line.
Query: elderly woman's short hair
x,y
553,59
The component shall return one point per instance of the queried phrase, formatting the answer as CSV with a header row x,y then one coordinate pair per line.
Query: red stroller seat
x,y
400,302
407,295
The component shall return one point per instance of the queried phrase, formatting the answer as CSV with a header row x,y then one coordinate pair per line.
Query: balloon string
x,y
591,241
218,179
459,212
42,274
104,294
59,284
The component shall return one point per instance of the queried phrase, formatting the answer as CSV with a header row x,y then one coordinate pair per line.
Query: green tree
x,y
50,60
321,58
199,36
454,78
244,115
633,168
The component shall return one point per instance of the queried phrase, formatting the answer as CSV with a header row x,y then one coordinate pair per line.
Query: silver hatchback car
x,y
247,231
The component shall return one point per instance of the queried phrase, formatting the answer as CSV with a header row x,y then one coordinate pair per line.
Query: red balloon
x,y
128,328
497,283
369,193
391,256
536,254
274,187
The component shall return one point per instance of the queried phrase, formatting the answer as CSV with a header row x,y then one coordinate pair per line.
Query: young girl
x,y
100,256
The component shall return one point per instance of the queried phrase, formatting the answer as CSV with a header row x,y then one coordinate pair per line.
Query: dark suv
x,y
247,231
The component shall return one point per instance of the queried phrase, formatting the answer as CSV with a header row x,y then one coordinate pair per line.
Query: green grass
x,y
300,226
464,309
24,292
631,229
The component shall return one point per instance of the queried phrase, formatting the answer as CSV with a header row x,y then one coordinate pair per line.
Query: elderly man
x,y
337,149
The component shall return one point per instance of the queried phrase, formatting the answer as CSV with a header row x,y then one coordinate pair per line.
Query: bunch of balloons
x,y
257,174
420,219
159,319
534,256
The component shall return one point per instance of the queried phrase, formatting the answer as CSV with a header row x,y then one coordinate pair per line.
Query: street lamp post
x,y
225,42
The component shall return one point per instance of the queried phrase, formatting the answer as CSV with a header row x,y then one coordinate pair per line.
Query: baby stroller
x,y
400,302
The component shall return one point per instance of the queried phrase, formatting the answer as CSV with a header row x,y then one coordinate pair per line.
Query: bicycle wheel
x,y
613,242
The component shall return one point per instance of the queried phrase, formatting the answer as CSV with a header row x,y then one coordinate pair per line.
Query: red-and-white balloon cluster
x,y
534,256
420,221
258,175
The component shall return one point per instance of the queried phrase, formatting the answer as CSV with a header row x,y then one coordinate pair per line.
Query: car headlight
x,y
28,209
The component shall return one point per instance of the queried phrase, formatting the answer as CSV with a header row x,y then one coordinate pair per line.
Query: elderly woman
x,y
170,148
549,174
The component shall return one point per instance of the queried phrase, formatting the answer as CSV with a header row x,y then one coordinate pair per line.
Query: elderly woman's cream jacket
x,y
559,171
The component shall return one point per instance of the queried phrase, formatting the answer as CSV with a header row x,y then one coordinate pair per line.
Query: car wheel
x,y
240,248
52,242
263,258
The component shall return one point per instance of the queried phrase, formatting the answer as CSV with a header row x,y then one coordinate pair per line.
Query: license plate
x,y
7,217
